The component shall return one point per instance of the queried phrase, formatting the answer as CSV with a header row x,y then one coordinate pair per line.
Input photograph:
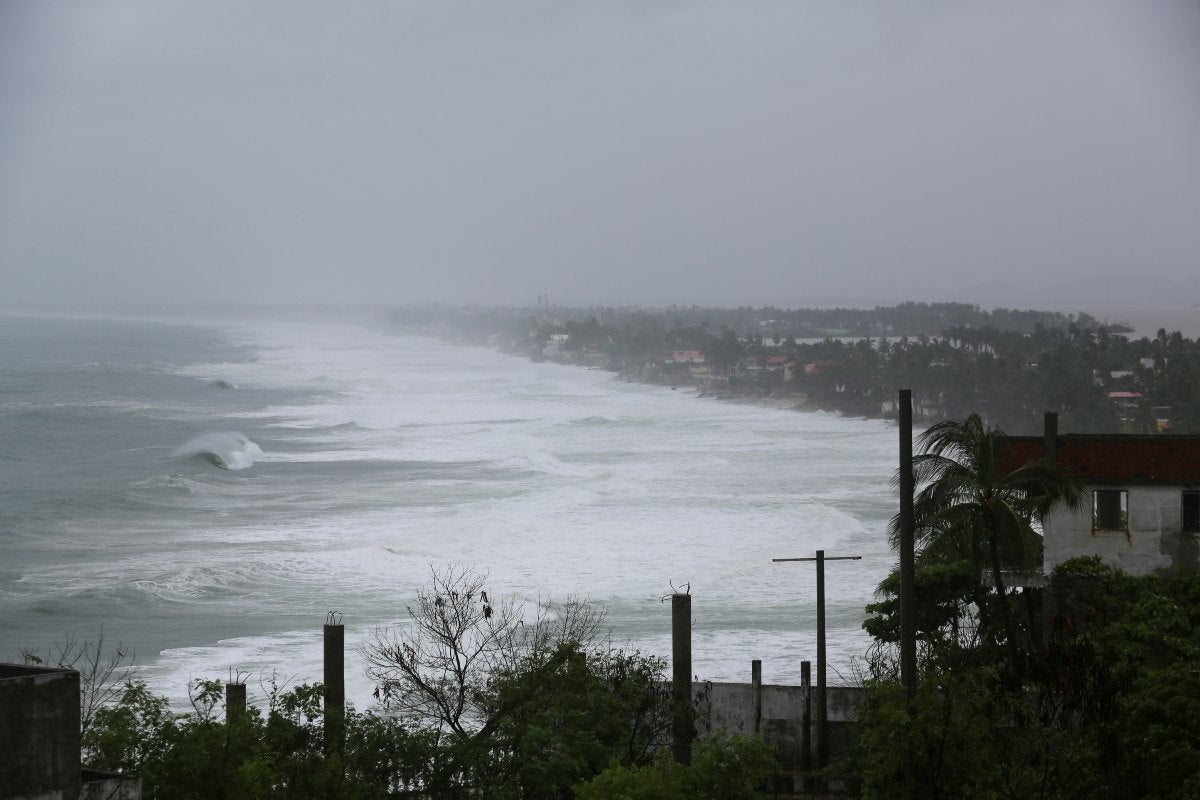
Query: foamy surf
x,y
411,453
227,449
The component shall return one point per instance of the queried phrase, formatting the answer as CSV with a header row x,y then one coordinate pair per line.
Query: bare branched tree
x,y
103,671
438,666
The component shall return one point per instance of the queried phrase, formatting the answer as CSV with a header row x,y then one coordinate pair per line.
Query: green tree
x,y
945,633
529,699
1109,714
968,508
563,722
1122,680
724,768
279,754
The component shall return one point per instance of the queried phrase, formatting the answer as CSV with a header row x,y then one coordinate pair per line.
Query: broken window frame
x,y
1114,516
1189,511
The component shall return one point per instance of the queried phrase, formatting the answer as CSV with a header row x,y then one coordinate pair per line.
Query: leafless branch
x,y
437,666
103,671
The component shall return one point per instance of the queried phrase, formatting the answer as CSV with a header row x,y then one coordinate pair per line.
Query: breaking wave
x,y
227,450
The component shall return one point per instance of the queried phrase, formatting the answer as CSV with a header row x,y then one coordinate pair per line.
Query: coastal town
x,y
1007,365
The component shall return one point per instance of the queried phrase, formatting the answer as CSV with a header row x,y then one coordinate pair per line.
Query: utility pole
x,y
908,579
822,702
908,574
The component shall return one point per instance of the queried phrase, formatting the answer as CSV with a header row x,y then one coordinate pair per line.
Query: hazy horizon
x,y
1027,155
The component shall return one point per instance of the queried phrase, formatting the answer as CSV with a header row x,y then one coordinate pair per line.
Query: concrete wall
x,y
732,707
107,786
39,733
1155,543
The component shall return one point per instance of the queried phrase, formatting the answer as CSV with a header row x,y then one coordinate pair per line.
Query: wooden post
x,y
681,677
335,683
756,682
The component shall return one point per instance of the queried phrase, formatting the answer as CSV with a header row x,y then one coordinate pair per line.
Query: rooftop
x,y
1111,458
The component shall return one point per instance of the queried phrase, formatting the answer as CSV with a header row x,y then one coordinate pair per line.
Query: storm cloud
x,y
719,153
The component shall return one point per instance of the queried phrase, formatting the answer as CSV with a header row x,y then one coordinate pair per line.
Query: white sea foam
x,y
392,454
226,449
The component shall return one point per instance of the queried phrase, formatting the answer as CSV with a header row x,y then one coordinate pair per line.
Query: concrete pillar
x,y
39,732
1050,436
1049,600
683,729
806,724
235,702
335,684
756,682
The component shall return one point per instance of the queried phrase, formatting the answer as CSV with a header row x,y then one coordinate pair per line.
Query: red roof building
x,y
1141,510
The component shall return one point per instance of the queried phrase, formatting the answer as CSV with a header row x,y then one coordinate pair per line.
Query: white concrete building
x,y
1141,510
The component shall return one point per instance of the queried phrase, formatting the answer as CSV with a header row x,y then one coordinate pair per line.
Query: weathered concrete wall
x,y
39,733
844,702
107,786
1155,543
732,707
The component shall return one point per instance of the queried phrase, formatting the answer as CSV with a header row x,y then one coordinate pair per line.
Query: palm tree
x,y
967,504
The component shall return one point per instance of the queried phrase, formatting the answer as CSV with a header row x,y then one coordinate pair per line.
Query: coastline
x,y
792,402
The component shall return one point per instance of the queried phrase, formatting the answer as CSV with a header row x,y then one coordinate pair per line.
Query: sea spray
x,y
226,449
386,455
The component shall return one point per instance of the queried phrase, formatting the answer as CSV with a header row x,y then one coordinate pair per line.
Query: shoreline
x,y
796,402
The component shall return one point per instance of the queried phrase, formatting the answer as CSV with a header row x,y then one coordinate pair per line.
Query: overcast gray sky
x,y
640,152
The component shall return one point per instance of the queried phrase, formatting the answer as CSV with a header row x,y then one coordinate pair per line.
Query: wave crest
x,y
226,449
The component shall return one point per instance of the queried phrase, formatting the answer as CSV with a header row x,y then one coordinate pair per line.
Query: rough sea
x,y
206,492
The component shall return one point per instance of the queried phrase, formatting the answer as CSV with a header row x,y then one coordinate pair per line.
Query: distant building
x,y
1141,510
1126,404
687,356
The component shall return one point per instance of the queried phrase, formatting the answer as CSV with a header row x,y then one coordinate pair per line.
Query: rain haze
x,y
1031,154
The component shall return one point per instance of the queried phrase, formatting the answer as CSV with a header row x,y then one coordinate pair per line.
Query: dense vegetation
x,y
1006,365
1106,710
1102,705
481,698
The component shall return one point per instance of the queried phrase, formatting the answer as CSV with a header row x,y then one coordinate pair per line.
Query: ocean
x,y
206,491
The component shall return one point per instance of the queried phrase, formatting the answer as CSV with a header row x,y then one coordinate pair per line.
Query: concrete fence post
x,y
235,702
683,728
756,682
335,683
806,724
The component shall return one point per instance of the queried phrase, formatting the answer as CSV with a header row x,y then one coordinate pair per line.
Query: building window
x,y
1190,518
1110,510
